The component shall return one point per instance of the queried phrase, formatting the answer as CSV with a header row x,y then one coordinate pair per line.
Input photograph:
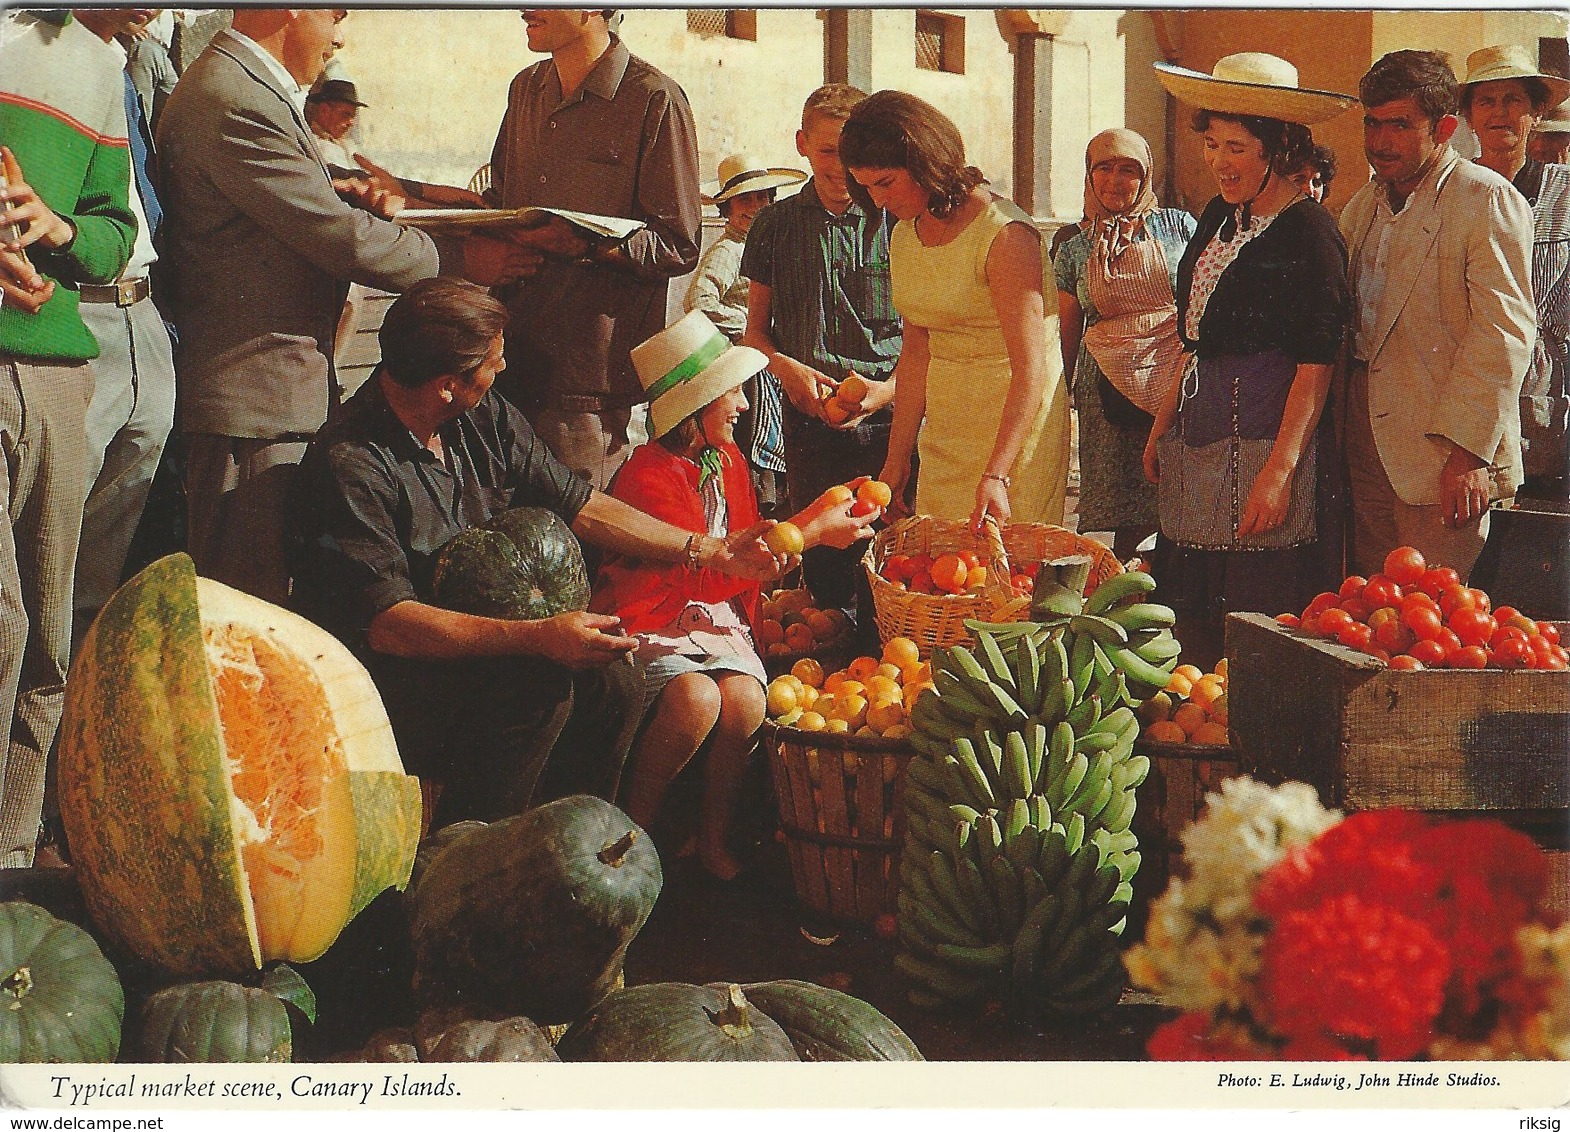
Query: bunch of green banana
x,y
1018,856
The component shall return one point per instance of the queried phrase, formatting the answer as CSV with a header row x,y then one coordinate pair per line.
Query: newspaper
x,y
450,219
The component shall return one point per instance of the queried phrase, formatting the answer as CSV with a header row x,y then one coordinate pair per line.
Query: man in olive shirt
x,y
593,129
424,450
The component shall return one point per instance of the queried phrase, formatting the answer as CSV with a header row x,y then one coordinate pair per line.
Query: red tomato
x,y
1417,599
1356,608
1383,615
1504,613
1481,600
1549,631
1352,587
1471,656
1457,597
1332,621
1321,603
1378,653
970,558
1506,633
1512,651
1437,580
1557,661
1449,641
1404,663
1382,590
1473,626
1423,621
1394,637
1290,620
1356,635
1309,625
1431,654
1541,646
862,508
1405,565
921,582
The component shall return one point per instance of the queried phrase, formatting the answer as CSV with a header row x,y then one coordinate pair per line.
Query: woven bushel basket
x,y
938,620
841,805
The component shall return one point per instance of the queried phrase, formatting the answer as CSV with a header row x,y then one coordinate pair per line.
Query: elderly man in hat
x,y
1550,140
424,450
331,110
718,288
1503,98
1443,327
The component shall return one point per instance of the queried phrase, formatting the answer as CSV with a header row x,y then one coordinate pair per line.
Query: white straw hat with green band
x,y
687,366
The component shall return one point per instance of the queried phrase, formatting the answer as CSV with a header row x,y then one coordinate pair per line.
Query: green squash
x,y
62,999
479,1039
533,915
676,1022
525,564
827,1025
215,1021
431,847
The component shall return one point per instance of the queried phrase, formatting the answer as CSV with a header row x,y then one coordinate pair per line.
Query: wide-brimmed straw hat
x,y
688,365
1512,61
743,173
1256,84
1556,121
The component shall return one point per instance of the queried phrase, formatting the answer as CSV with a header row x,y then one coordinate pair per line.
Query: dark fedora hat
x,y
335,90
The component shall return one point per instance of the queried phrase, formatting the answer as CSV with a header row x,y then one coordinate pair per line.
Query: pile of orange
x,y
843,401
788,623
959,572
1192,708
871,696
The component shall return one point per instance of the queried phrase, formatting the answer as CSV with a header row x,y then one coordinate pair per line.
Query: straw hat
x,y
1256,84
688,365
1556,121
1512,61
743,173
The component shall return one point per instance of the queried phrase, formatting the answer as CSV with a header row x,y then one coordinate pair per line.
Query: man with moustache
x,y
262,249
1444,325
593,129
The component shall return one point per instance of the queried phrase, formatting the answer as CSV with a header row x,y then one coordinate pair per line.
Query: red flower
x,y
1356,973
1371,854
1189,1037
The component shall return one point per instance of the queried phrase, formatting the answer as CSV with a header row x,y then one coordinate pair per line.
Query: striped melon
x,y
228,779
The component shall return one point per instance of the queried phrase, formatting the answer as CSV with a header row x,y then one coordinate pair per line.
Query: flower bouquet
x,y
1301,935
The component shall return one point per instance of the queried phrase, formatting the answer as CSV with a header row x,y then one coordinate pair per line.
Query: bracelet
x,y
1004,480
691,551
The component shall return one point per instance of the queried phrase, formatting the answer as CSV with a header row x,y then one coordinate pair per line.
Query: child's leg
x,y
684,715
735,736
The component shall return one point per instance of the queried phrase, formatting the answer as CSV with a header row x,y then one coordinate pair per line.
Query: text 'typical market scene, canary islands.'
x,y
715,535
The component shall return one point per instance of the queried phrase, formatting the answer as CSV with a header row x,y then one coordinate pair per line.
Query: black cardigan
x,y
1287,289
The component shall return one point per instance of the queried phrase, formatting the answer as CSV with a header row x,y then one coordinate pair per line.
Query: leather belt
x,y
125,293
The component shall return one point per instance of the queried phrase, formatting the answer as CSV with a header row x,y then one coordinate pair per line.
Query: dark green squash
x,y
533,915
215,1021
676,1022
62,1000
827,1025
431,847
523,565
479,1039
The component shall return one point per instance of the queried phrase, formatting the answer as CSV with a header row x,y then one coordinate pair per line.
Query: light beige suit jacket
x,y
1454,327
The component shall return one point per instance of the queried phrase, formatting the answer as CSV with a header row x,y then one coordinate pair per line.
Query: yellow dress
x,y
944,290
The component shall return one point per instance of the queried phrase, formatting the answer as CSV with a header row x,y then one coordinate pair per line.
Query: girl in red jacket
x,y
693,626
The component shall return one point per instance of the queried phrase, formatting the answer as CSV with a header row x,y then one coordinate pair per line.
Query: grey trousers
x,y
595,445
43,478
236,490
127,425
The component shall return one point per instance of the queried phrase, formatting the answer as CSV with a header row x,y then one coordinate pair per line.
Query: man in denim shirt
x,y
819,308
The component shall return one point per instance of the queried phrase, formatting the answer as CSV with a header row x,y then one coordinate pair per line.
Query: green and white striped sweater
x,y
62,113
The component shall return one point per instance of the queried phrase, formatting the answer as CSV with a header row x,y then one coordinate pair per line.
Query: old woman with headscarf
x,y
1115,278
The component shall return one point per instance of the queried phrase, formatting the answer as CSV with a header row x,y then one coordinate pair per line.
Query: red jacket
x,y
648,596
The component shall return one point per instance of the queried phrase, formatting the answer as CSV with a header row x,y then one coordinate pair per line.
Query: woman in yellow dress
x,y
978,381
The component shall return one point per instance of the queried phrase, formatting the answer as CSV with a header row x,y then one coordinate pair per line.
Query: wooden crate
x,y
841,809
1463,743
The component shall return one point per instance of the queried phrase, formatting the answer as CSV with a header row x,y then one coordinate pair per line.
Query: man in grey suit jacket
x,y
1441,268
262,250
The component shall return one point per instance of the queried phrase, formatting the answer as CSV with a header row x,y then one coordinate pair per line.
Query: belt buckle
x,y
125,292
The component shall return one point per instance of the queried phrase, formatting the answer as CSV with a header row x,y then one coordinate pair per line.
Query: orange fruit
x,y
881,716
950,574
875,492
784,538
914,692
832,682
770,632
901,651
837,726
862,667
1190,717
811,721
976,577
892,671
823,627
1164,731
1221,668
1210,735
837,412
916,674
1218,711
1206,690
782,698
808,671
852,709
1189,670
1156,709
853,390
1179,685
837,495
898,731
883,688
850,687
799,638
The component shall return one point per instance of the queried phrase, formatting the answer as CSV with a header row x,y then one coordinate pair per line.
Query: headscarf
x,y
1111,232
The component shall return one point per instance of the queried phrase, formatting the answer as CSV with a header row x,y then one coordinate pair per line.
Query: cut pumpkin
x,y
229,782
